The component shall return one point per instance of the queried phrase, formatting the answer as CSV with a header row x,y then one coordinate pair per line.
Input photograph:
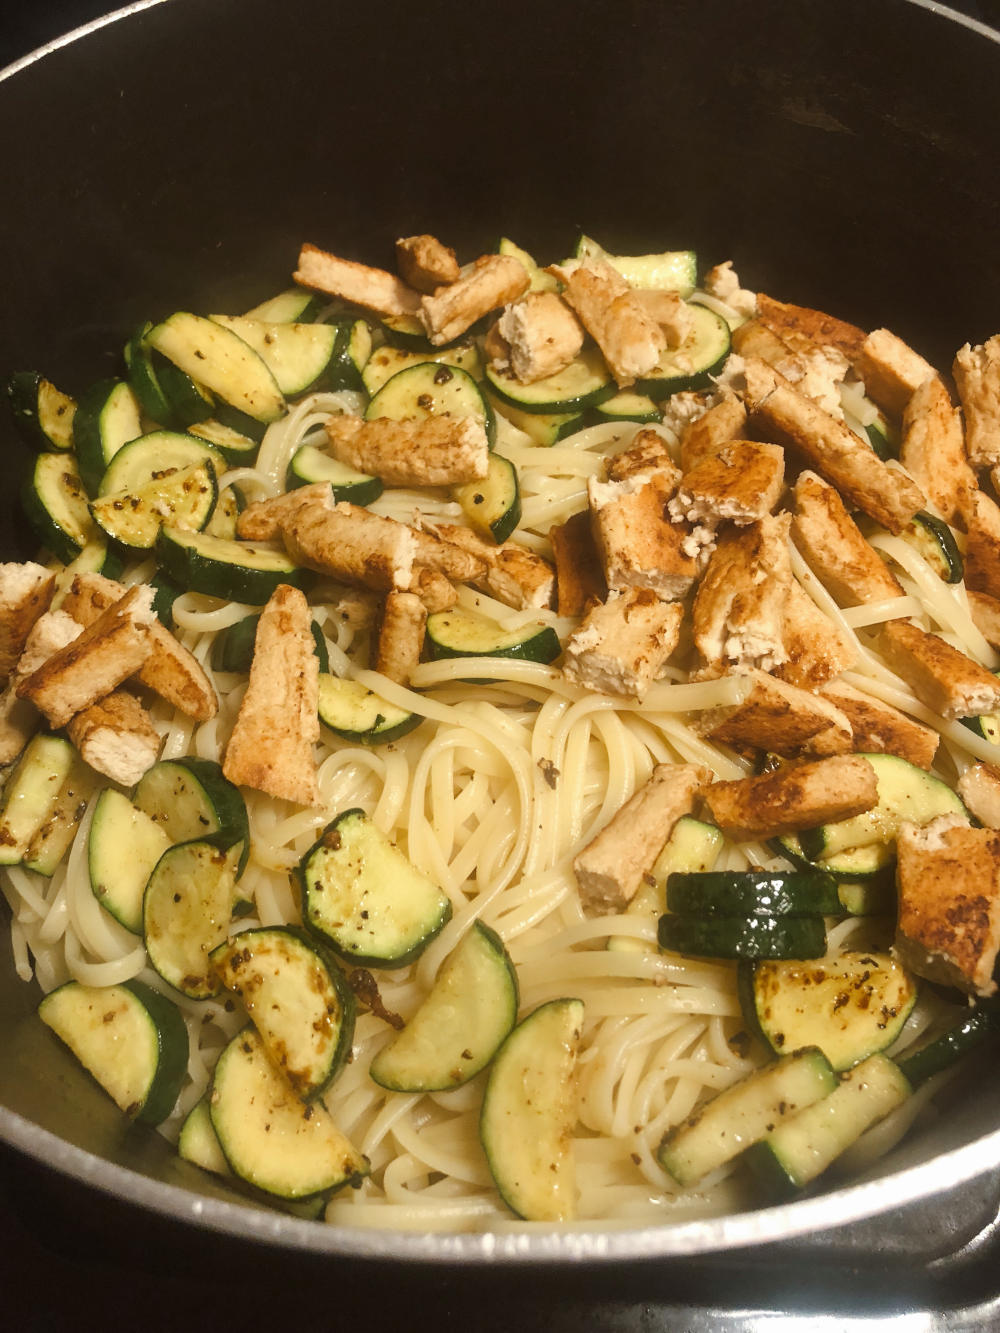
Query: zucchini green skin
x,y
584,383
297,355
493,505
102,1026
748,892
188,402
233,570
235,447
388,360
670,270
144,380
852,1006
544,429
978,1026
461,1022
744,1113
309,464
351,352
192,798
42,414
873,865
934,540
292,306
55,504
107,417
743,937
233,647
53,838
692,846
528,1113
364,900
357,714
628,406
460,633
298,998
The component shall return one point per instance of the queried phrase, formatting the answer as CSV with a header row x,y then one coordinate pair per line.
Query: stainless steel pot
x,y
841,153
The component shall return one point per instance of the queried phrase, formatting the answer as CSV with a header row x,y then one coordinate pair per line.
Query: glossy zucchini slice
x,y
529,1111
184,499
192,798
153,457
197,1142
692,846
107,417
749,892
543,428
933,539
387,361
238,449
541,281
976,1027
745,1113
123,847
299,1001
691,365
629,406
292,306
31,793
850,1006
270,1138
459,633
223,362
583,383
759,936
310,464
234,571
297,355
430,388
670,270
42,413
364,899
55,504
357,714
130,1038
460,1023
142,376
186,910
492,505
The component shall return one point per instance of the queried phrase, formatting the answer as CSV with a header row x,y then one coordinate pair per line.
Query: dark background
x,y
74,1260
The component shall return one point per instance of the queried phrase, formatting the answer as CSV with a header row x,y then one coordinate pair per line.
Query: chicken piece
x,y
982,550
742,481
881,729
271,747
932,449
755,338
979,788
646,456
638,545
401,636
888,495
170,671
778,718
941,677
630,340
670,311
610,869
834,549
436,451
263,520
96,662
977,378
739,609
26,591
580,580
116,737
722,281
817,649
18,717
540,336
491,282
721,423
985,613
425,263
891,370
948,928
796,796
791,321
622,645
514,575
372,288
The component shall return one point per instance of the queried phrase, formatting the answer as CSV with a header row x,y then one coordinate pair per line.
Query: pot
x,y
177,154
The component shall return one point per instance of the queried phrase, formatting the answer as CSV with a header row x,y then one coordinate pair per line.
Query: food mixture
x,y
491,744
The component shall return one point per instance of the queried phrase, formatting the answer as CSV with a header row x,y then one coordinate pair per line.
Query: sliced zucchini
x,y
189,401
294,306
387,361
152,458
363,897
299,1001
459,633
629,406
351,353
107,417
883,437
492,505
691,365
757,936
871,897
131,1039
934,540
692,846
977,1026
236,448
540,280
460,1023
95,557
53,838
430,388
165,593
309,465
270,1138
186,911
871,865
585,382
544,428
42,413
850,1006
123,848
297,355
906,794
192,798
225,516
408,332
183,499
801,1148
750,892
220,360
359,715
55,504
144,380
231,570
233,647
671,270
744,1113
31,793
197,1142
986,725
529,1110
